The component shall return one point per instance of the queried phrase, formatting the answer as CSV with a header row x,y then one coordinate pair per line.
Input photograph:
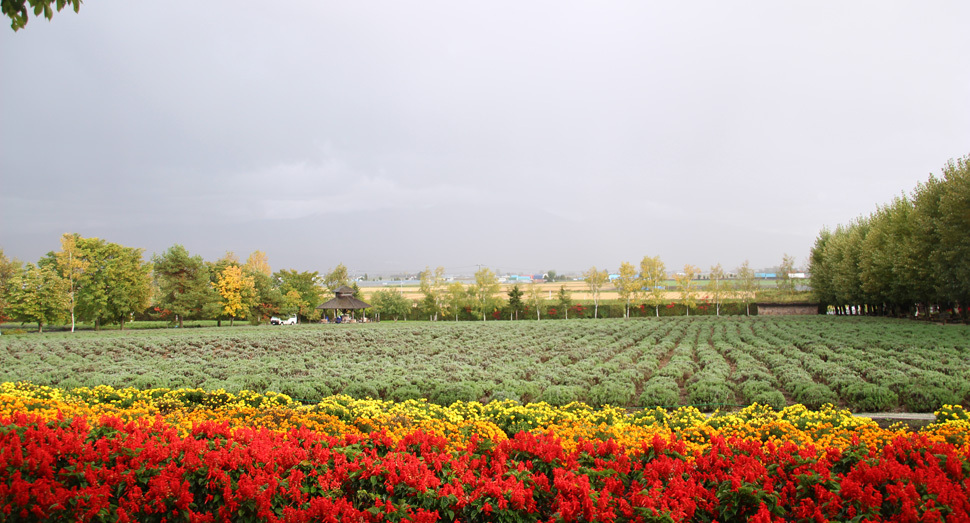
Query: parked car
x,y
289,321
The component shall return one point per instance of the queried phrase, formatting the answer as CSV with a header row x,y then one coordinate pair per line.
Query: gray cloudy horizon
x,y
525,136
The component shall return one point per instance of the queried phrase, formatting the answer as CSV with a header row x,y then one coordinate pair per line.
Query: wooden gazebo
x,y
343,301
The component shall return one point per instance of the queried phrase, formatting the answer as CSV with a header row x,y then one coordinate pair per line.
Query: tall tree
x,y
433,287
515,301
486,286
268,296
847,278
107,281
336,278
183,283
717,287
72,265
785,281
258,262
913,252
456,298
38,294
564,300
821,279
215,308
925,249
954,232
292,303
653,274
688,286
536,299
8,268
237,291
627,285
595,280
745,286
390,302
308,286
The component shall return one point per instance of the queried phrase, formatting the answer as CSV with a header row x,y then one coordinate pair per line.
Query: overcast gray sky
x,y
523,135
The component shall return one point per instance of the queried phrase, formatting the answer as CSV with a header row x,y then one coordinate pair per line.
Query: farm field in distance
x,y
865,364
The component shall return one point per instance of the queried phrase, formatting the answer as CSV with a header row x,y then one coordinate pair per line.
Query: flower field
x,y
107,454
864,364
701,419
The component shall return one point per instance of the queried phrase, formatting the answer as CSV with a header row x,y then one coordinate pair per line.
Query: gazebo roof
x,y
344,300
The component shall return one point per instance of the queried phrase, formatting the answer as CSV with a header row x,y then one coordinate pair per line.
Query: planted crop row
x,y
854,362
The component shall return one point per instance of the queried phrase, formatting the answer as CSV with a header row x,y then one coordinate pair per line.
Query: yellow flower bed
x,y
828,427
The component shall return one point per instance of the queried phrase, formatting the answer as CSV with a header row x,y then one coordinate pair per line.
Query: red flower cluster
x,y
67,470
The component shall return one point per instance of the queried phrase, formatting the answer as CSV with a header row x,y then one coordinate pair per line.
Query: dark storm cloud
x,y
391,136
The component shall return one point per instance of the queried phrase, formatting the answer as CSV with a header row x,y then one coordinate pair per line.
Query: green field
x,y
866,364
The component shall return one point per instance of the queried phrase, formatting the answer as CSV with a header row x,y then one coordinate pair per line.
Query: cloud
x,y
332,187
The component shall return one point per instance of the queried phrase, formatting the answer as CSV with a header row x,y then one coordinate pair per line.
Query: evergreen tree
x,y
183,283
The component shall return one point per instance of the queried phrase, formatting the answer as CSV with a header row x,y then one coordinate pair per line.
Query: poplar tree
x,y
653,275
716,287
336,278
785,281
8,269
595,279
432,286
564,300
535,299
688,287
456,298
627,285
486,285
38,294
745,286
106,282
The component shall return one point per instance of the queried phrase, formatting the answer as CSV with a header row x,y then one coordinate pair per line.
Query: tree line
x,y
909,257
482,298
96,281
